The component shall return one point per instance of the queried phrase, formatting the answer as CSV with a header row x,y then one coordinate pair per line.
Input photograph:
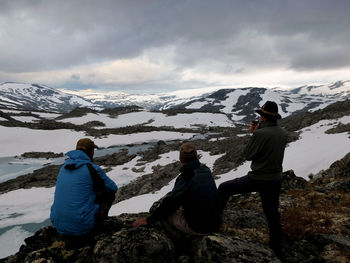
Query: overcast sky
x,y
150,45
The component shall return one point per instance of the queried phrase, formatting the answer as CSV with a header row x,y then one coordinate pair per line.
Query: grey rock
x,y
134,246
224,249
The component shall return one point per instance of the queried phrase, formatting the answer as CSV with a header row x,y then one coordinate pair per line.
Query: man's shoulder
x,y
95,166
202,169
270,130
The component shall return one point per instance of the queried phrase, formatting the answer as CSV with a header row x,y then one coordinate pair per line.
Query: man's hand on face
x,y
253,126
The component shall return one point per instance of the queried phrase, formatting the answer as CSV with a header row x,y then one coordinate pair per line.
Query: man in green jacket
x,y
266,150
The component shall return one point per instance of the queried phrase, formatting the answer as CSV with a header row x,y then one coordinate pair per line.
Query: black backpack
x,y
103,198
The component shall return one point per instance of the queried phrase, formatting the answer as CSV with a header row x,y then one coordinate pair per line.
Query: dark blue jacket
x,y
74,209
195,191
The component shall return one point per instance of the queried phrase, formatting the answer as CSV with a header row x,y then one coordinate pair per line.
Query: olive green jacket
x,y
266,150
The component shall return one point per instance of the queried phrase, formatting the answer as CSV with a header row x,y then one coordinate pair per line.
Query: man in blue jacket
x,y
75,210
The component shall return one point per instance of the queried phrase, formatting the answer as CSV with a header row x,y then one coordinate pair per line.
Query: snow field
x,y
24,206
155,119
12,240
17,140
316,150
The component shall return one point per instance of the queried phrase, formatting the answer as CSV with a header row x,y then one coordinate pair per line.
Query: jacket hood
x,y
77,157
187,170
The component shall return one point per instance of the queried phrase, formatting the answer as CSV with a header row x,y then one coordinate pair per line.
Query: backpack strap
x,y
103,198
97,181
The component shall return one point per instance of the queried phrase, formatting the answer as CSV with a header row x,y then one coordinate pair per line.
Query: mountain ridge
x,y
237,103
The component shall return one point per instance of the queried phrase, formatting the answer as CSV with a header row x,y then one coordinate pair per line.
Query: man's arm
x,y
254,146
170,203
109,184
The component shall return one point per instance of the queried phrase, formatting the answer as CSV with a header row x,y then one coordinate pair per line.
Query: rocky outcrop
x,y
44,177
148,183
316,228
117,241
121,110
77,112
47,155
333,111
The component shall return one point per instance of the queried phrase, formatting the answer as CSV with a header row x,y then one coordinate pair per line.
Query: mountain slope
x,y
240,104
38,97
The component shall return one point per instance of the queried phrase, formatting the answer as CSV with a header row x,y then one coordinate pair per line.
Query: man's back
x,y
201,202
195,191
74,208
266,151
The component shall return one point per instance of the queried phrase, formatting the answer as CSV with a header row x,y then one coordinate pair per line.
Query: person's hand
x,y
139,222
253,126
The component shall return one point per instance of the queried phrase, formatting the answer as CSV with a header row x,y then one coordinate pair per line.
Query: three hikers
x,y
195,204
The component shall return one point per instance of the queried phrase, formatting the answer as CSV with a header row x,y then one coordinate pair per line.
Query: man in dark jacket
x,y
266,150
75,211
193,204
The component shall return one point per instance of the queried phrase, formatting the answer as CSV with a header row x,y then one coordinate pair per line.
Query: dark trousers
x,y
269,194
105,201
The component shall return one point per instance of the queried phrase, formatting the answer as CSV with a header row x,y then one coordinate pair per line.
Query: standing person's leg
x,y
270,202
236,186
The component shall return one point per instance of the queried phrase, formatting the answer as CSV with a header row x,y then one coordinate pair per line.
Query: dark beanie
x,y
188,152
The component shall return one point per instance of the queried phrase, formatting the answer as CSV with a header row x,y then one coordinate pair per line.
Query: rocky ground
x,y
315,214
315,218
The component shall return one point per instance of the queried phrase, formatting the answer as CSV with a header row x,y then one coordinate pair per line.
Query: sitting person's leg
x,y
179,221
105,202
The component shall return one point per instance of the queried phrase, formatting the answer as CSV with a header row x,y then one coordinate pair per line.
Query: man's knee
x,y
223,188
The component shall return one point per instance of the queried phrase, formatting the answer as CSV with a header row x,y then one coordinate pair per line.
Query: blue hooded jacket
x,y
74,209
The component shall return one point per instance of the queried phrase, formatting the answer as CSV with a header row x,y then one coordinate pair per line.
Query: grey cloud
x,y
75,77
45,35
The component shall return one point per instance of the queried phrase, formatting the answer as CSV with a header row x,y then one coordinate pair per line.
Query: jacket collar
x,y
77,157
267,124
188,168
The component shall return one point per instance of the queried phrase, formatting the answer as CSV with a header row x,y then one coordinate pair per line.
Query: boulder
x,y
134,246
225,249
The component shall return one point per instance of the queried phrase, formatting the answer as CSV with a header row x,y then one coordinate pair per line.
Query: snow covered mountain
x,y
38,97
237,103
240,103
337,90
122,99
